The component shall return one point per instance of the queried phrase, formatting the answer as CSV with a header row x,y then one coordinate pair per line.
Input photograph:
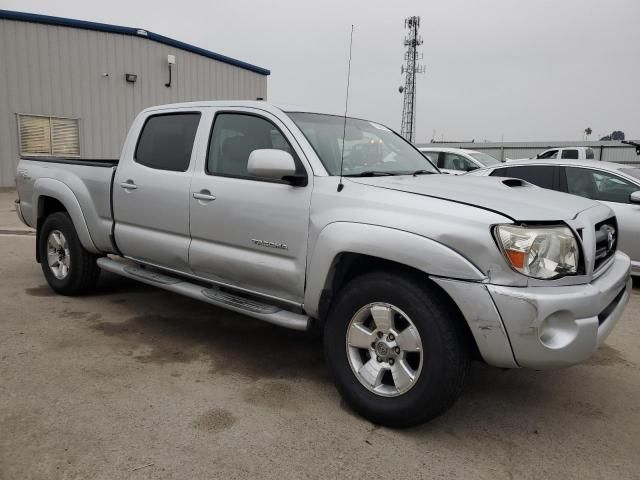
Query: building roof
x,y
135,32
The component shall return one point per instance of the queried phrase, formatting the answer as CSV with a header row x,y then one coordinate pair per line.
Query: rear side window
x,y
589,154
540,175
570,154
166,141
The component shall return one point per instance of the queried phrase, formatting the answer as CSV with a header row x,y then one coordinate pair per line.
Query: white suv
x,y
457,161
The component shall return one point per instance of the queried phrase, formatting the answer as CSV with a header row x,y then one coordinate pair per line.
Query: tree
x,y
615,135
587,132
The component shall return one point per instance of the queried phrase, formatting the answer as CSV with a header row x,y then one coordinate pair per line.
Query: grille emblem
x,y
611,236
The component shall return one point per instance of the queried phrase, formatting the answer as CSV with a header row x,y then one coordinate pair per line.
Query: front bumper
x,y
19,212
559,326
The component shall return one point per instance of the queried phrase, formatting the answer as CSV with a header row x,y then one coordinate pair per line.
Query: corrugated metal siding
x,y
609,151
58,71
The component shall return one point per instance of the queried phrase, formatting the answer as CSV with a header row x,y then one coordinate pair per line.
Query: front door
x,y
249,232
151,192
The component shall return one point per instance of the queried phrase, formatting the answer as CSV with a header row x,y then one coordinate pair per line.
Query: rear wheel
x,y
395,350
68,268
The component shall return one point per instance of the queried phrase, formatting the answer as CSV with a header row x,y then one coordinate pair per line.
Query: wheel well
x,y
347,266
46,206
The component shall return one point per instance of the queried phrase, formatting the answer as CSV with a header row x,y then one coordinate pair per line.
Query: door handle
x,y
129,185
204,195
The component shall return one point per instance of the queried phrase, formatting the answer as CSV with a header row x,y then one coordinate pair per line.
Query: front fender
x,y
49,187
391,244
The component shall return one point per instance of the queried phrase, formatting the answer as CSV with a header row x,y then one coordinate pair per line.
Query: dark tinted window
x,y
598,185
166,141
571,154
549,154
539,175
235,136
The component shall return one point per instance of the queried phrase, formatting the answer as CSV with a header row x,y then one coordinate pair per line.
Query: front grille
x,y
606,241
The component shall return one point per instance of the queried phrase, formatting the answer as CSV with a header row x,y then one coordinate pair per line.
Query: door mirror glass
x,y
272,164
635,197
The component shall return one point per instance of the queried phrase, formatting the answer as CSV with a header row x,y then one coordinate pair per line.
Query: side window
x,y
549,154
453,161
166,141
539,175
598,185
589,154
570,153
432,156
235,136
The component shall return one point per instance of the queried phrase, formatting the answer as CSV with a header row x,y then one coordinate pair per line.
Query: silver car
x,y
457,161
613,184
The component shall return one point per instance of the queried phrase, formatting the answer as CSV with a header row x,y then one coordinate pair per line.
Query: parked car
x,y
615,185
563,153
457,161
243,205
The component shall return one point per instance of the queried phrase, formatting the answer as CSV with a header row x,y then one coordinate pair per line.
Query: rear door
x,y
249,232
151,191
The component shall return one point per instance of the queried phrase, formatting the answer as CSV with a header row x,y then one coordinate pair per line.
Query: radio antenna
x,y
346,105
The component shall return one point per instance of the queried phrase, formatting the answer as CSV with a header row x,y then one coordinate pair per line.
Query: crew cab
x,y
314,221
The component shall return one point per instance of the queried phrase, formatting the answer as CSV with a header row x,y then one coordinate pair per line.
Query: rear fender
x,y
49,187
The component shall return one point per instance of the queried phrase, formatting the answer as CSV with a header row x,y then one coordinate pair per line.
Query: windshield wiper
x,y
422,172
370,173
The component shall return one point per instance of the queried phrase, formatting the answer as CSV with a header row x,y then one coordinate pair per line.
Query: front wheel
x,y
396,351
67,266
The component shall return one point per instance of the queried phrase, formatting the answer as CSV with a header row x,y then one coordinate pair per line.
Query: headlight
x,y
539,252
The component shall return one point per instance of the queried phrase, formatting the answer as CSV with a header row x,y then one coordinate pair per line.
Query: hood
x,y
514,198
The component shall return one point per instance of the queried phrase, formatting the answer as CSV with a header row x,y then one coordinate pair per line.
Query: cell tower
x,y
410,68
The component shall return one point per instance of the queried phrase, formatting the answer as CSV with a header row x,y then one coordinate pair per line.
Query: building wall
x,y
60,71
611,151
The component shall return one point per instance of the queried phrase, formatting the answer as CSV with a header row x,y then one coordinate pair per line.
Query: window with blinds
x,y
49,136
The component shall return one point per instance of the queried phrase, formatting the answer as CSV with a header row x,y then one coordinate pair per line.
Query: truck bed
x,y
83,186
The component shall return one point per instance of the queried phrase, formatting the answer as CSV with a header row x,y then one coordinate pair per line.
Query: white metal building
x,y
72,88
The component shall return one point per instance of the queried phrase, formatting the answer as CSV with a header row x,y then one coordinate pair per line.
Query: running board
x,y
250,307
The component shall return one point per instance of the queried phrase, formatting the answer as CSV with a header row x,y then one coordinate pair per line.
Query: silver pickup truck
x,y
409,273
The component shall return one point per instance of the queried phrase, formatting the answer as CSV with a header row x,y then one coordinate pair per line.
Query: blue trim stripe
x,y
135,32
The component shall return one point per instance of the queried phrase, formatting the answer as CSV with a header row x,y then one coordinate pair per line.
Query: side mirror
x,y
635,197
537,155
275,165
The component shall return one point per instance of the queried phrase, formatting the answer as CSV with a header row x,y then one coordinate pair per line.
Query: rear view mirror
x,y
635,197
273,164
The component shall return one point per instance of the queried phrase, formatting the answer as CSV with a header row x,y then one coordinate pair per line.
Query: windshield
x,y
485,159
633,171
368,146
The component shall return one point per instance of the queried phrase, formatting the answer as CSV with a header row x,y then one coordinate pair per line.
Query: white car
x,y
457,161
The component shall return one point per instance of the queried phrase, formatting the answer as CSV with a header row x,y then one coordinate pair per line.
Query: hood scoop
x,y
515,182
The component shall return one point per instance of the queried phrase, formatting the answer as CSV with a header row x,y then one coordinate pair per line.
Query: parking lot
x,y
134,382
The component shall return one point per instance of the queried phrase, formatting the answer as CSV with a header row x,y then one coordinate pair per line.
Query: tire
x,y
438,360
74,271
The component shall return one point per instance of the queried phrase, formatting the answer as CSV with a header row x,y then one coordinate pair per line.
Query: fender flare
x,y
49,187
422,253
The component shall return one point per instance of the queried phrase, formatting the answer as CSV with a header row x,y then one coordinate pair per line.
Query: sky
x,y
512,70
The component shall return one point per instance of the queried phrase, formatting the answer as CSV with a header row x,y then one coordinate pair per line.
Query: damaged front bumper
x,y
543,327
558,326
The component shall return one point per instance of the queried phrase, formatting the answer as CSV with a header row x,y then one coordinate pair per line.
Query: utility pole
x,y
409,69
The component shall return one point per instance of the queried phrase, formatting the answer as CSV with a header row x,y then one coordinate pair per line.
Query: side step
x,y
252,308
